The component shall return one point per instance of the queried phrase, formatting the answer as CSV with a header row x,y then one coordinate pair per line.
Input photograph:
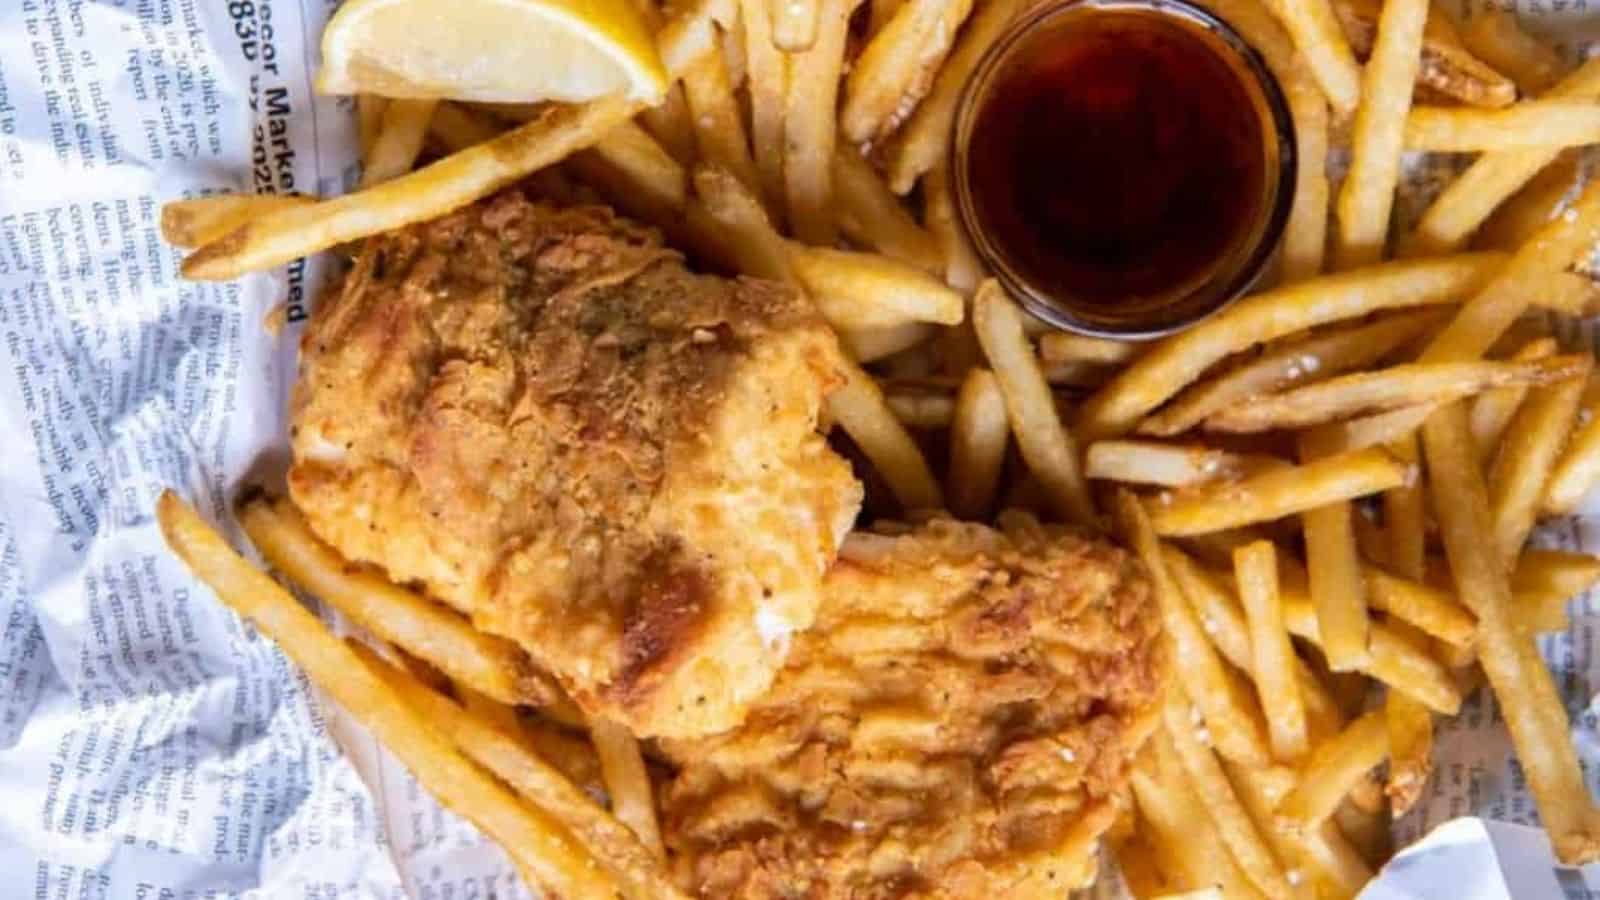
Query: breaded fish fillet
x,y
543,419
954,726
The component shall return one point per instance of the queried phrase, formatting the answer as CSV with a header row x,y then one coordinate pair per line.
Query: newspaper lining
x,y
151,745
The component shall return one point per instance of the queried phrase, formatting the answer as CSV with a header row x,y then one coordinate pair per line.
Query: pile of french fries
x,y
1332,482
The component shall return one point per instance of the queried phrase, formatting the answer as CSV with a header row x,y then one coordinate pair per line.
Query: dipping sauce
x,y
1126,166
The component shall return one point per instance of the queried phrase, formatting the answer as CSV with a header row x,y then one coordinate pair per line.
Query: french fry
x,y
1529,209
691,32
1247,845
394,152
1419,605
1377,430
1333,770
1388,389
1305,233
795,24
865,290
867,345
1492,410
1579,466
1059,346
979,432
747,233
1168,465
1256,571
1448,69
534,840
1494,36
1338,592
810,132
1170,365
1390,658
1527,456
1335,868
718,124
571,755
768,85
872,216
1410,727
1539,123
1044,441
1405,514
962,268
1309,359
1277,493
434,190
369,119
200,220
897,66
648,177
915,410
1321,40
1468,200
1183,827
497,748
923,144
861,411
455,127
1236,724
1528,699
1483,319
1544,581
627,782
492,665
1367,196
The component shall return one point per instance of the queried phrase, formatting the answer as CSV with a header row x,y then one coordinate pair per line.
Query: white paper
x,y
151,746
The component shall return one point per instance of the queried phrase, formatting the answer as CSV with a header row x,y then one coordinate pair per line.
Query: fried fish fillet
x,y
956,725
540,417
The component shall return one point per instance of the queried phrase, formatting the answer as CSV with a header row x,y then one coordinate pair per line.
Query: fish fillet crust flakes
x,y
541,418
957,724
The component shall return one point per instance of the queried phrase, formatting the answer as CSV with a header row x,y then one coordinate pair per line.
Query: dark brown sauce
x,y
1117,155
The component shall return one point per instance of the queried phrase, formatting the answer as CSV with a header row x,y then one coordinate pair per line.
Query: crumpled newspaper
x,y
152,746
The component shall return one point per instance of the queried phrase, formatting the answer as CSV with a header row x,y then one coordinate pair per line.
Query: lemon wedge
x,y
493,51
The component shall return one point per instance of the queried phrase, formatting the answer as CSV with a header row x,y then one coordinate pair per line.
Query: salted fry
x,y
1410,727
1388,389
810,132
1483,319
795,24
1579,465
1528,698
201,220
1181,825
423,628
915,410
1333,770
627,783
1277,493
1305,234
1527,456
1547,123
1230,712
1492,410
897,66
1170,365
1338,592
979,432
1405,519
1320,38
497,748
1255,569
1419,605
861,411
428,192
718,124
1168,465
872,216
1532,207
1544,581
399,140
867,345
747,233
1238,833
643,175
1046,445
538,844
921,146
962,268
1367,196
1310,359
1466,202
691,32
1448,69
865,290
1060,346
1334,866
1494,36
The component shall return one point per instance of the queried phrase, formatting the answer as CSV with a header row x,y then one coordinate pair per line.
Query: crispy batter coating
x,y
956,725
544,420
